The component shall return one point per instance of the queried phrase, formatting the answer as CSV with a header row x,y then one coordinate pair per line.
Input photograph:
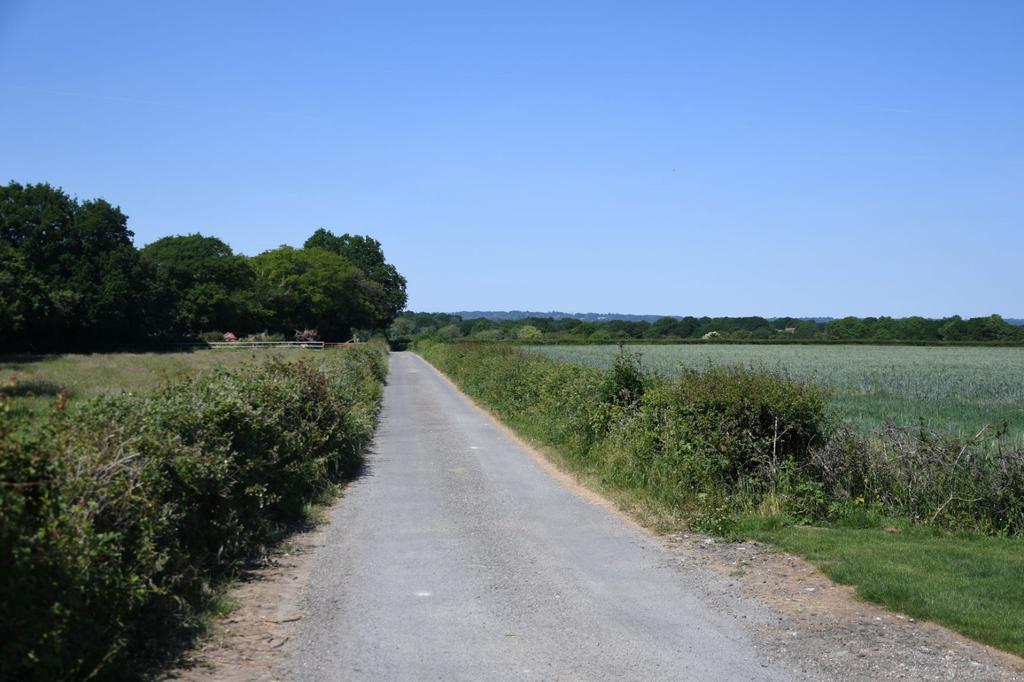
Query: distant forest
x,y
629,317
992,329
72,279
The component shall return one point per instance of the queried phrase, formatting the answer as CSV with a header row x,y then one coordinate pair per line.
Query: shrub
x,y
734,433
116,520
744,423
625,383
449,331
399,343
528,333
927,477
489,335
719,438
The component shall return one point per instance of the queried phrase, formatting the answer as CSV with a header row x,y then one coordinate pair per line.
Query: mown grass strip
x,y
971,584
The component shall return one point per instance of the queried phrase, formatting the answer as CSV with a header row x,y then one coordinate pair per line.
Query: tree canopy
x,y
73,279
208,285
312,288
389,298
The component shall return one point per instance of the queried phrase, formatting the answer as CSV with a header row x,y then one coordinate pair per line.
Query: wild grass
x,y
953,389
34,381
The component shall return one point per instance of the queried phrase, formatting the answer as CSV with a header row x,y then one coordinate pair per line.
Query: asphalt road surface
x,y
458,557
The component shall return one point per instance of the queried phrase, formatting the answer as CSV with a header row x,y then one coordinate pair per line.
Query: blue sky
x,y
722,158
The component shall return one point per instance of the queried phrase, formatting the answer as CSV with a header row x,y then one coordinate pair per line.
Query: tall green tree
x,y
82,283
207,286
23,295
846,328
366,254
314,288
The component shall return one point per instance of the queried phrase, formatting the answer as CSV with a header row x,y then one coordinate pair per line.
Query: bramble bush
x,y
927,477
722,442
118,520
731,430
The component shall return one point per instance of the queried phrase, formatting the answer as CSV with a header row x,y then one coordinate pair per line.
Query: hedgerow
x,y
723,442
927,477
118,520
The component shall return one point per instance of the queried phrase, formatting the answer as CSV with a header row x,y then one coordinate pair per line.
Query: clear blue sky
x,y
805,158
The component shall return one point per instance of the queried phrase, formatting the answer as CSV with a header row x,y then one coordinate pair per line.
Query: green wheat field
x,y
955,389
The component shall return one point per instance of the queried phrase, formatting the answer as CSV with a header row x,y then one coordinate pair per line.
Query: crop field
x,y
956,389
32,382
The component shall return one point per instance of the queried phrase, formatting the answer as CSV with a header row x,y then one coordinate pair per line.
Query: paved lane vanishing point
x,y
458,557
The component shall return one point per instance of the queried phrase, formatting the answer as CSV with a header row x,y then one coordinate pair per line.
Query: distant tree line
x,y
992,329
72,279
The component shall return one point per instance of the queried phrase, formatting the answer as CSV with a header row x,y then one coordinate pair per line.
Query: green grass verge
x,y
971,584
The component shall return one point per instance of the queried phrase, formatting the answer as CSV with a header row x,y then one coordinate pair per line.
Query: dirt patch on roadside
x,y
248,645
826,628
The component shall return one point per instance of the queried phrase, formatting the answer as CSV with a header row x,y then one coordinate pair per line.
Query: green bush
x,y
626,381
724,432
927,477
723,442
743,424
116,520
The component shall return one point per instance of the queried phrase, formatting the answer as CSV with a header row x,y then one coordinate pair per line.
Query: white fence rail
x,y
245,345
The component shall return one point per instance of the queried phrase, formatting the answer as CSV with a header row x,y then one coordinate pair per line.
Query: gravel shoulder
x,y
248,644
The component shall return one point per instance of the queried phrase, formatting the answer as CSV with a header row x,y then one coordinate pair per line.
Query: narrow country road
x,y
457,557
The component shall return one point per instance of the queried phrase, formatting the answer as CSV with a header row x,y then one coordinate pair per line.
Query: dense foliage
x,y
958,389
115,519
992,329
722,442
70,274
205,286
72,279
926,476
385,292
